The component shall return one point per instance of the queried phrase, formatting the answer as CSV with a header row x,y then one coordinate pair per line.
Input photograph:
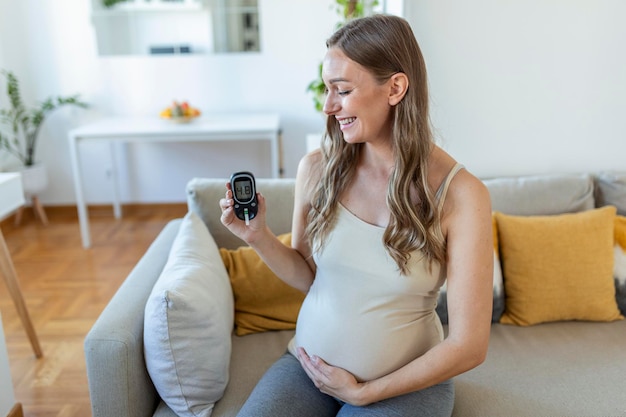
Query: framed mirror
x,y
167,27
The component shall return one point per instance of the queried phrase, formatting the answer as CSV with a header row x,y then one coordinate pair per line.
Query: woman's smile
x,y
357,100
345,123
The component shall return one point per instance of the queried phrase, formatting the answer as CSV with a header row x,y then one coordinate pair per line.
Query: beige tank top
x,y
361,314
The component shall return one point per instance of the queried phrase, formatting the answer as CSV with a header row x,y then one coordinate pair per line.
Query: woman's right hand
x,y
248,233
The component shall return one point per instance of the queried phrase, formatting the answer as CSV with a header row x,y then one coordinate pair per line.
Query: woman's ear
x,y
398,86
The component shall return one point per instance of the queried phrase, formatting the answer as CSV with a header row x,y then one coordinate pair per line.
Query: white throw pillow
x,y
188,323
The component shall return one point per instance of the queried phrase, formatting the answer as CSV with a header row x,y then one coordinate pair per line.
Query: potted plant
x,y
19,131
111,3
347,10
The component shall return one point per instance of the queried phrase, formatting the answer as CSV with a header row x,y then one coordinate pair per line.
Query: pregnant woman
x,y
382,218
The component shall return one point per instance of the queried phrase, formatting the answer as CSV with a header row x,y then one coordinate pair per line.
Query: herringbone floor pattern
x,y
65,288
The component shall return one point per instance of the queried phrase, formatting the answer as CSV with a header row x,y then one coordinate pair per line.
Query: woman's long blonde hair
x,y
385,45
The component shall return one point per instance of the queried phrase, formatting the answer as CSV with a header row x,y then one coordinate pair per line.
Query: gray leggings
x,y
286,391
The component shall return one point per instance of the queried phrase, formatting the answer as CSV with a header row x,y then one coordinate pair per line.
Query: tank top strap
x,y
443,188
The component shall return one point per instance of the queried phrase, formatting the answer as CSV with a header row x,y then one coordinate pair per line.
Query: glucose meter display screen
x,y
243,190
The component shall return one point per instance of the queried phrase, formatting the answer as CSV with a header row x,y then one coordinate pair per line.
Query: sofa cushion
x,y
619,268
558,267
262,301
610,189
553,369
203,195
541,194
188,323
498,286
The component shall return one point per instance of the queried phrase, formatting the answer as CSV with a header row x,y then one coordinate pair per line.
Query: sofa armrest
x,y
119,384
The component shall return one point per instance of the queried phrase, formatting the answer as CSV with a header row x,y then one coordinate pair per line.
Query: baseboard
x,y
69,212
16,411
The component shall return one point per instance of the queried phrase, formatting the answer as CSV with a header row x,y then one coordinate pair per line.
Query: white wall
x,y
527,86
58,56
518,86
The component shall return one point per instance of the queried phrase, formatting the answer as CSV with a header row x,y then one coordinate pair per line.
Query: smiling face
x,y
358,102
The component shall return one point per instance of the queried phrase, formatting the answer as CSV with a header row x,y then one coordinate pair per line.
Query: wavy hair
x,y
385,45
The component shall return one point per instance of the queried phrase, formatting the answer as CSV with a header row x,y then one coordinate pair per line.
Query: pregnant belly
x,y
368,342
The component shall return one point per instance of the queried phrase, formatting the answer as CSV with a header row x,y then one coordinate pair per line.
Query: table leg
x,y
275,156
83,216
10,278
281,168
117,206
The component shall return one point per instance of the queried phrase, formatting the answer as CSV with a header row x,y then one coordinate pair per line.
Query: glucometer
x,y
243,186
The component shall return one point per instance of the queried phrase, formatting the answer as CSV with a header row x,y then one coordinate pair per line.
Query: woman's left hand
x,y
336,382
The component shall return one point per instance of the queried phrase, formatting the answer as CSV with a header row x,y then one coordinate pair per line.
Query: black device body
x,y
243,186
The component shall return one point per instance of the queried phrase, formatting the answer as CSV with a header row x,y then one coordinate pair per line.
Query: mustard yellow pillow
x,y
558,267
262,301
619,269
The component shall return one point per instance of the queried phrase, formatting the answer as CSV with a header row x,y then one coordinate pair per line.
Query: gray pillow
x,y
541,194
188,322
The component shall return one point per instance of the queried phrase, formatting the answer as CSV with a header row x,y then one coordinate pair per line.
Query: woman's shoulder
x,y
440,167
463,185
468,188
313,158
310,165
309,170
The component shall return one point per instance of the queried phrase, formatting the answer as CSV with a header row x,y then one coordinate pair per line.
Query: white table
x,y
12,198
219,127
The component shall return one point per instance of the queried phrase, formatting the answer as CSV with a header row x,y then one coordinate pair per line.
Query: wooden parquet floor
x,y
65,288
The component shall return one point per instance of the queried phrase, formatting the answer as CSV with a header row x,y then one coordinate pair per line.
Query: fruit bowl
x,y
181,119
180,112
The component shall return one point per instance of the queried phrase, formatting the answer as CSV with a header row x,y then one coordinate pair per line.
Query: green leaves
x,y
318,88
111,3
13,91
347,10
353,9
24,124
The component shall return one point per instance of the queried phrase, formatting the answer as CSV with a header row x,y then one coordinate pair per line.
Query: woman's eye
x,y
344,92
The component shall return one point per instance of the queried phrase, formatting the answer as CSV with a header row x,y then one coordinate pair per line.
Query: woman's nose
x,y
330,105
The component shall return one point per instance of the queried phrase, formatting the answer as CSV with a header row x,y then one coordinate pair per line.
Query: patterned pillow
x,y
610,190
619,267
498,287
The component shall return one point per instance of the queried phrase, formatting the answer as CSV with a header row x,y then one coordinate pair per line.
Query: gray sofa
x,y
568,368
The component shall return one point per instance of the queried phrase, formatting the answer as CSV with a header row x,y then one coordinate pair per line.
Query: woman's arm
x,y
292,265
468,228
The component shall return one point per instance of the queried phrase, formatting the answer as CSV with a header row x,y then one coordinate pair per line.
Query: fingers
x,y
226,205
262,206
228,217
305,361
313,366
